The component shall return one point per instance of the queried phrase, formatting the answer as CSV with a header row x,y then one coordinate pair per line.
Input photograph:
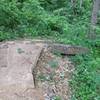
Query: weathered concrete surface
x,y
17,59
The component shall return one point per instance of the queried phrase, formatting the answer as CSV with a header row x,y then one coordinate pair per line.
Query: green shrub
x,y
86,77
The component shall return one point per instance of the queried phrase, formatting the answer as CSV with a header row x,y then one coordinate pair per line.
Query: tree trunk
x,y
92,34
73,3
81,2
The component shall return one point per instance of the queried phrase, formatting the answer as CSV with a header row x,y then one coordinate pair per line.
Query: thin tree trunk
x,y
81,2
73,3
96,7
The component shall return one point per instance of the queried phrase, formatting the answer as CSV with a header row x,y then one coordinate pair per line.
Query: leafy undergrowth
x,y
86,77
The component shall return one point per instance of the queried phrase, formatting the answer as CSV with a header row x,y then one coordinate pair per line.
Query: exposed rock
x,y
68,49
17,60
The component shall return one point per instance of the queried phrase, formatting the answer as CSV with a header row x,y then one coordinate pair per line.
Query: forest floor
x,y
53,75
32,71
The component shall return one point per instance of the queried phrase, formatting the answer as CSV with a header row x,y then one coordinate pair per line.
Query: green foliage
x,y
19,50
85,82
29,18
64,22
53,64
42,77
57,98
9,15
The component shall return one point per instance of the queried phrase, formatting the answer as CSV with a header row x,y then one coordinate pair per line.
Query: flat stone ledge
x,y
17,60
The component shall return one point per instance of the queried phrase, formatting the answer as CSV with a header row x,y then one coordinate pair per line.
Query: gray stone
x,y
17,59
68,49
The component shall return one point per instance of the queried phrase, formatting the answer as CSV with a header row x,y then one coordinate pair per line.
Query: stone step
x,y
18,92
17,60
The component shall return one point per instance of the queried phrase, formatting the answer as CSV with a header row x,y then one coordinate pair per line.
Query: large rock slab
x,y
17,60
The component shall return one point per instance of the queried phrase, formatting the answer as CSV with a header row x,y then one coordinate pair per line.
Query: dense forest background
x,y
29,18
65,21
